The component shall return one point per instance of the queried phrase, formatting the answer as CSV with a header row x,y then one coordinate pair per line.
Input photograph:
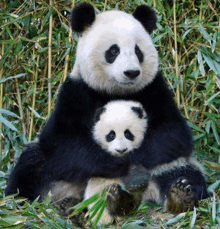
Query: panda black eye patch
x,y
129,135
139,54
110,136
112,53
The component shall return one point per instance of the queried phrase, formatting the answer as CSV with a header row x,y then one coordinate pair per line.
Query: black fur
x,y
66,150
112,53
98,113
147,16
139,53
82,16
138,111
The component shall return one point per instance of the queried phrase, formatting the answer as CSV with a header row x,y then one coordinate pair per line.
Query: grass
x,y
36,53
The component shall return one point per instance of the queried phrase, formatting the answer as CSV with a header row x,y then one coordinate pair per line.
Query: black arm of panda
x,y
81,159
66,138
168,136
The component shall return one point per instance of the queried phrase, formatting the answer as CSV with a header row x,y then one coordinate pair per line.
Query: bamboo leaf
x,y
215,132
201,66
7,123
9,113
211,98
36,113
212,165
214,209
192,224
12,77
214,186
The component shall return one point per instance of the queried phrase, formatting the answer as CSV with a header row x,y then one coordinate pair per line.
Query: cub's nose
x,y
121,151
132,74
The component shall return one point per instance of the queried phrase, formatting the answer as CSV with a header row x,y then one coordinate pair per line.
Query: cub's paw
x,y
119,201
181,197
65,208
64,205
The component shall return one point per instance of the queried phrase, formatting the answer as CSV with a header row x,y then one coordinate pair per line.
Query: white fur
x,y
174,165
115,27
119,117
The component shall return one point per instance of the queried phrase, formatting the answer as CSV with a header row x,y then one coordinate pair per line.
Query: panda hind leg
x,y
181,198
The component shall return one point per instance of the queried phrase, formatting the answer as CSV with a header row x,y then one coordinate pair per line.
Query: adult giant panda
x,y
115,60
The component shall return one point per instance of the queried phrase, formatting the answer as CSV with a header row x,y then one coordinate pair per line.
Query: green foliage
x,y
189,52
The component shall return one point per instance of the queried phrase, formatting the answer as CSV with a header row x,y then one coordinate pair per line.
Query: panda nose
x,y
132,74
121,151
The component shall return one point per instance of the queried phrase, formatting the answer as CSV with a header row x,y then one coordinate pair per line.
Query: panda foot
x,y
65,205
181,197
65,208
119,201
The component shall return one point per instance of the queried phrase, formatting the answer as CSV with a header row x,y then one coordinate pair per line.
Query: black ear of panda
x,y
147,16
139,111
98,113
82,16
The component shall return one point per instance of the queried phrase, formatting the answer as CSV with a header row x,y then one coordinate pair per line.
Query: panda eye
x,y
110,136
114,50
112,53
129,135
139,54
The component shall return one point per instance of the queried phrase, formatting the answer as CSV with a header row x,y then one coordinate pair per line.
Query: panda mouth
x,y
130,83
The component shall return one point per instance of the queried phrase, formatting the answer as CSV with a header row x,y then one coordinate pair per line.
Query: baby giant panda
x,y
119,129
115,60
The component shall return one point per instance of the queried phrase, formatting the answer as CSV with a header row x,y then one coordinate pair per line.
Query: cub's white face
x,y
121,127
116,54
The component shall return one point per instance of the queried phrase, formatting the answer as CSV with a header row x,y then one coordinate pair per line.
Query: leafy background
x,y
37,50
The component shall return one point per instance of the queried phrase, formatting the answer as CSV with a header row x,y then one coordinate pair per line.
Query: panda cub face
x,y
115,52
120,127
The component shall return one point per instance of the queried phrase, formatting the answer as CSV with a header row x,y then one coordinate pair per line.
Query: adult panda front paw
x,y
119,201
181,197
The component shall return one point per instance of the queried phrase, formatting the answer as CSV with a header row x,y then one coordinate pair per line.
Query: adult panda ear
x,y
82,16
147,17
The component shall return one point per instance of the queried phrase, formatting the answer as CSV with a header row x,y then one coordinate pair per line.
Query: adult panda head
x,y
119,126
115,53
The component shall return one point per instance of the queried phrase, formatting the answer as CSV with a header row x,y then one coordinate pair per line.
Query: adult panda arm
x,y
66,140
168,136
80,160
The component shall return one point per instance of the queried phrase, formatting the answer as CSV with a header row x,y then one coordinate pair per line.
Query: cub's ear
x,y
98,113
82,16
147,17
138,111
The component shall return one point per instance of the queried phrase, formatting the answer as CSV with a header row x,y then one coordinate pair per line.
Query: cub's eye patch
x,y
110,136
129,135
112,53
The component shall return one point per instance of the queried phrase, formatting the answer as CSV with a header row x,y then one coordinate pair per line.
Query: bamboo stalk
x,y
203,111
176,55
50,57
1,96
34,97
105,5
68,55
20,108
